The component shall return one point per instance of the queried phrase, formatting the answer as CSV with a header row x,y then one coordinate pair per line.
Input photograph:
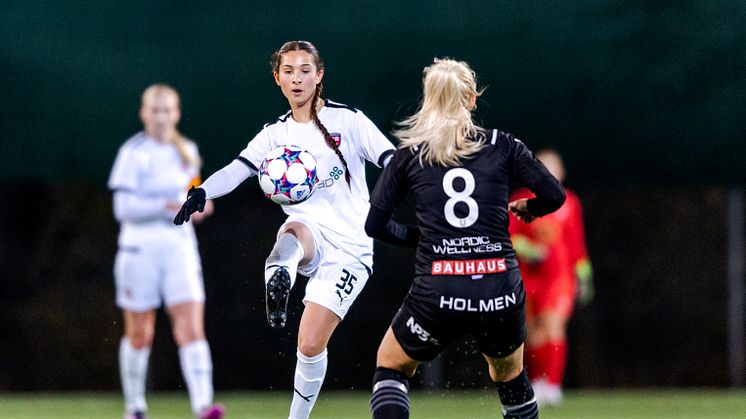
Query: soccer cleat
x,y
216,411
135,415
278,290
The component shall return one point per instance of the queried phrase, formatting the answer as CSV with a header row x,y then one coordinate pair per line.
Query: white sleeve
x,y
371,143
257,148
129,206
245,165
124,173
226,179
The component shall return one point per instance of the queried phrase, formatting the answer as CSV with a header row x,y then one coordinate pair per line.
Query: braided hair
x,y
311,49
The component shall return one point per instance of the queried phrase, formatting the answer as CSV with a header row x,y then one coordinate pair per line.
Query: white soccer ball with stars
x,y
287,175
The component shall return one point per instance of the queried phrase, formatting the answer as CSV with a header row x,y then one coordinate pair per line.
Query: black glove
x,y
195,202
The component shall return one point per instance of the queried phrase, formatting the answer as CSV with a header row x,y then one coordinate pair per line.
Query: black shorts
x,y
439,309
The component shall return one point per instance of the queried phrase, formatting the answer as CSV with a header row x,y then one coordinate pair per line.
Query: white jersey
x,y
146,175
340,210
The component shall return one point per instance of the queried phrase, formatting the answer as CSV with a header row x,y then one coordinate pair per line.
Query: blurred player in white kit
x,y
156,260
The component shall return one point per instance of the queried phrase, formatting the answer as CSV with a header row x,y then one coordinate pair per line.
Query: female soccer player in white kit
x,y
324,237
156,260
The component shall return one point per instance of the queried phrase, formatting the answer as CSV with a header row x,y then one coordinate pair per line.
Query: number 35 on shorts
x,y
346,282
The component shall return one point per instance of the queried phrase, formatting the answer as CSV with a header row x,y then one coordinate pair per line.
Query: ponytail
x,y
181,146
328,138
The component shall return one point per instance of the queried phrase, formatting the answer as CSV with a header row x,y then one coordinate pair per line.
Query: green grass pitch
x,y
690,403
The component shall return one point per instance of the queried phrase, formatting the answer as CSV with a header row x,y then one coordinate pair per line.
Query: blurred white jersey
x,y
150,173
340,210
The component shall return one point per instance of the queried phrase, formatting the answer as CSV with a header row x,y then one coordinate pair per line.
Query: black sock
x,y
517,397
390,398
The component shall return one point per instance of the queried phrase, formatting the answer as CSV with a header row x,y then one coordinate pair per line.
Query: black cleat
x,y
278,290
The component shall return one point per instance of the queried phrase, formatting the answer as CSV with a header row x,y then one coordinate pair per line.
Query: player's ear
x,y
276,75
319,76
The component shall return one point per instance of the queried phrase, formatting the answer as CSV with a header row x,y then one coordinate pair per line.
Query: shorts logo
x,y
417,330
468,267
337,137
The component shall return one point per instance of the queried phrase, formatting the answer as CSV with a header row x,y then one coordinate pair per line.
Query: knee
x,y
505,374
186,334
310,348
141,337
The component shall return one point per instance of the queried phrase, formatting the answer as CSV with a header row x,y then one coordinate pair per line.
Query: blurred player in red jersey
x,y
555,268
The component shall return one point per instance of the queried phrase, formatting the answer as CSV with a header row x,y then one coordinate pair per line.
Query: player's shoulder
x,y
498,138
279,120
571,196
339,107
136,143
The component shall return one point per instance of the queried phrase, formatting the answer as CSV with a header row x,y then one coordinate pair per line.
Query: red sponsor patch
x,y
469,267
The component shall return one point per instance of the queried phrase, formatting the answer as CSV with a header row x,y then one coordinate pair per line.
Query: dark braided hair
x,y
311,49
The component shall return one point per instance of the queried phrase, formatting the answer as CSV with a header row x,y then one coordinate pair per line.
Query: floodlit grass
x,y
689,403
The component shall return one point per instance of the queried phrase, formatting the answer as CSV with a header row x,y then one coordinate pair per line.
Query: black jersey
x,y
462,211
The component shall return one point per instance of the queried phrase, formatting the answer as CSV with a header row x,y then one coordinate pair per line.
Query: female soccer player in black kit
x,y
467,279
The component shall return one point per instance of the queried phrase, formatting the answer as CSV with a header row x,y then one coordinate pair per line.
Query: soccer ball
x,y
287,175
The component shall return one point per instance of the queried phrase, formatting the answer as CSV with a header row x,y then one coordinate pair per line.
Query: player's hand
x,y
519,208
586,289
195,202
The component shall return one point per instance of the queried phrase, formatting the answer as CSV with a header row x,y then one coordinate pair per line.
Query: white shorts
x,y
145,275
335,276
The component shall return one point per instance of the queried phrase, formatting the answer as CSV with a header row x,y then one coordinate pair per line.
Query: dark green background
x,y
634,91
645,99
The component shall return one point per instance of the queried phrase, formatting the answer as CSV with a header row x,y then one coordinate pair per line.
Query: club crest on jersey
x,y
337,137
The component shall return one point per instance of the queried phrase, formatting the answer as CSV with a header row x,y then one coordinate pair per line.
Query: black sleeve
x,y
388,193
528,170
393,184
381,226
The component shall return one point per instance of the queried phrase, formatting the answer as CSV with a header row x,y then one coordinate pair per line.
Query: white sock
x,y
309,375
287,252
133,371
196,365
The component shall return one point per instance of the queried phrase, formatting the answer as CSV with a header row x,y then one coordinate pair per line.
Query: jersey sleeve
x,y
372,145
255,151
393,184
243,167
124,173
528,170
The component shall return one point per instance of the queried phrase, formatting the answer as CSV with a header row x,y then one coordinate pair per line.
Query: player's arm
x,y
226,179
129,203
389,191
531,172
373,145
133,207
381,225
576,243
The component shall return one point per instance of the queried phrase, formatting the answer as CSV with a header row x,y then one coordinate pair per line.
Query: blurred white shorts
x,y
148,274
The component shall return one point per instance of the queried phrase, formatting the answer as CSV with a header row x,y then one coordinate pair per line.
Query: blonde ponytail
x,y
442,128
179,141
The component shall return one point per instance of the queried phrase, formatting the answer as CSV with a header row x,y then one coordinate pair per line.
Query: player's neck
x,y
302,113
163,138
